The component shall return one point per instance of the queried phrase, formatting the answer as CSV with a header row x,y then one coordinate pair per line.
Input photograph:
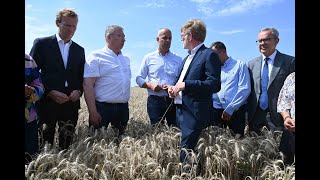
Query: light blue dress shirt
x,y
235,86
159,69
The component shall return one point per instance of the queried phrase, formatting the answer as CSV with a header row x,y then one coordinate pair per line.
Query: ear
x,y
157,39
57,23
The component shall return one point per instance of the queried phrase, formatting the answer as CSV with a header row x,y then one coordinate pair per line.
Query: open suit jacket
x,y
46,53
282,67
201,80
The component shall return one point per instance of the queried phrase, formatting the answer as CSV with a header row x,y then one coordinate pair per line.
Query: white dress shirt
x,y
113,74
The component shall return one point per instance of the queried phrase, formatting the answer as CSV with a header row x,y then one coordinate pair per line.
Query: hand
x,y
28,90
154,87
225,116
177,88
58,97
170,91
94,119
289,123
74,95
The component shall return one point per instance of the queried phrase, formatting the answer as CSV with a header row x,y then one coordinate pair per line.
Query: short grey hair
x,y
274,31
111,28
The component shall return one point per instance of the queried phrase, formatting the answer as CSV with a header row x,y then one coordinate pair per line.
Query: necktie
x,y
264,86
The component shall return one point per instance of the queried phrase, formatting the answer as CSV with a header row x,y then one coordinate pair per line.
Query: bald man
x,y
158,70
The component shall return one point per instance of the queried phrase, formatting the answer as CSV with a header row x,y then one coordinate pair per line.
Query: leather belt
x,y
165,98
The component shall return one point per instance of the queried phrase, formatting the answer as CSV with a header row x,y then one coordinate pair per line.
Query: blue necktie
x,y
264,86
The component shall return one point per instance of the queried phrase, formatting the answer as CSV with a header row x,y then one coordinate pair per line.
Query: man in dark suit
x,y
198,79
61,62
262,102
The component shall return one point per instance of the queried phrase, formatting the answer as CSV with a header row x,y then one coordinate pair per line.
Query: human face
x,y
185,39
164,40
267,42
219,52
67,27
117,39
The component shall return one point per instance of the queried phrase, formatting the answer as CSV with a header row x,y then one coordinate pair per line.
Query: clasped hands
x,y
61,98
173,91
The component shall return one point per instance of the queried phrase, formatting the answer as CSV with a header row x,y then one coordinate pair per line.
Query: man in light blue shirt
x,y
158,70
229,103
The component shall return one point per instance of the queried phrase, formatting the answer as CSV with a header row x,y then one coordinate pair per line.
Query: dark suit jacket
x,y
202,79
282,67
46,53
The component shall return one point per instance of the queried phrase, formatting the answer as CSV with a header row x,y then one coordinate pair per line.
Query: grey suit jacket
x,y
282,67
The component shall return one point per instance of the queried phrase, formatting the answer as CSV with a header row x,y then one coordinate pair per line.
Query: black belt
x,y
166,98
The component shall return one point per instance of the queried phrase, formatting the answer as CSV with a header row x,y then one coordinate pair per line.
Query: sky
x,y
236,23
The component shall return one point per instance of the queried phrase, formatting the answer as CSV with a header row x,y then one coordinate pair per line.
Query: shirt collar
x,y
110,51
59,39
195,49
271,57
161,54
227,62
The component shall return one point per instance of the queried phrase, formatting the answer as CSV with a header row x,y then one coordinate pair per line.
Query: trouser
x,y
158,108
189,137
31,145
237,122
115,113
66,115
261,118
287,146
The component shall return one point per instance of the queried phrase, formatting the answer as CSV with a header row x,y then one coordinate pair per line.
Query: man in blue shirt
x,y
160,67
230,102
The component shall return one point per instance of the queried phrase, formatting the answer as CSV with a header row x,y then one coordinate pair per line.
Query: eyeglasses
x,y
119,36
266,40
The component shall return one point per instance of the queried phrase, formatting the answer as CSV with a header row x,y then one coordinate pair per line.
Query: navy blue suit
x,y
46,53
202,79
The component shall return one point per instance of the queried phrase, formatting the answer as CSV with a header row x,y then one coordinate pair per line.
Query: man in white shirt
x,y
161,68
106,82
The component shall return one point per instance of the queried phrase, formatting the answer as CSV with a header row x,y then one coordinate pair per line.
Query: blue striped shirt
x,y
159,69
235,86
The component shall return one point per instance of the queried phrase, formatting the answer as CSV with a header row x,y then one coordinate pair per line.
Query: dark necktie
x,y
264,86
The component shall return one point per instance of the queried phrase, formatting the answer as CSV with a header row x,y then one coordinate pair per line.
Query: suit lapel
x,y
71,49
56,51
198,53
276,67
259,65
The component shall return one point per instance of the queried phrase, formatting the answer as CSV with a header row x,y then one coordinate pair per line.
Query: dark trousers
x,y
287,146
189,137
31,145
237,122
157,107
65,114
260,119
115,113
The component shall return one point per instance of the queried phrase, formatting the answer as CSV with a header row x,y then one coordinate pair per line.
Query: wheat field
x,y
152,152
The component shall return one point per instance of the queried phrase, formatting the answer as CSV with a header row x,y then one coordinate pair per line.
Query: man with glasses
x,y
161,68
229,104
106,83
268,73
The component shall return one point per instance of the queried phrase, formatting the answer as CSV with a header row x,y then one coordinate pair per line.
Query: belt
x,y
165,98
108,103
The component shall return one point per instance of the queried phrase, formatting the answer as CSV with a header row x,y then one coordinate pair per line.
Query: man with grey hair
x,y
267,73
161,68
106,82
